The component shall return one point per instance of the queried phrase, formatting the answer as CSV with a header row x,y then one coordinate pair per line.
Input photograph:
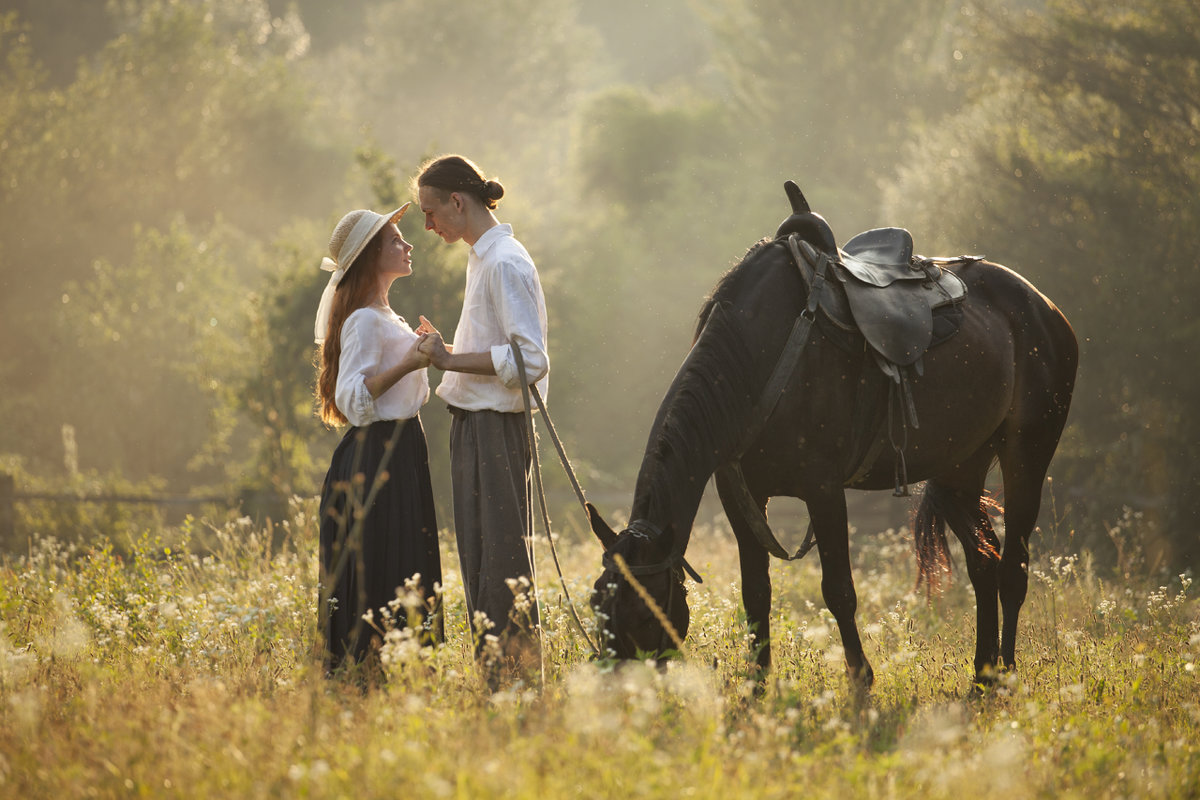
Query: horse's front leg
x,y
828,514
756,575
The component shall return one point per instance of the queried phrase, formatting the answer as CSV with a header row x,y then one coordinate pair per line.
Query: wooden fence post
x,y
8,516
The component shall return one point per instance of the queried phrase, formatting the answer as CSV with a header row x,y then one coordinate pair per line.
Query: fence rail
x,y
160,500
9,497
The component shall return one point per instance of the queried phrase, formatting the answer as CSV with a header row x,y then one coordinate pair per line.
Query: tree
x,y
1076,162
831,92
665,209
191,120
496,82
159,333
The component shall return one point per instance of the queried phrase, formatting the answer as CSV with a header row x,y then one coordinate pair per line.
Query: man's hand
x,y
432,347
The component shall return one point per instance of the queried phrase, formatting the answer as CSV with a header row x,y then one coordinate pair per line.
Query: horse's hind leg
x,y
965,512
1024,464
1028,439
1025,457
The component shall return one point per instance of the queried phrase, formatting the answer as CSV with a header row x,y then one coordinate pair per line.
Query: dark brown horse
x,y
998,389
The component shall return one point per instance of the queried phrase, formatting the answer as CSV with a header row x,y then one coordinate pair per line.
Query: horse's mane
x,y
728,282
702,416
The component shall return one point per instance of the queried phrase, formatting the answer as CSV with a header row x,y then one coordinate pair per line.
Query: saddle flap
x,y
896,315
897,321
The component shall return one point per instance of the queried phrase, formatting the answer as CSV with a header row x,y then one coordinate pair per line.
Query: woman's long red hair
x,y
356,290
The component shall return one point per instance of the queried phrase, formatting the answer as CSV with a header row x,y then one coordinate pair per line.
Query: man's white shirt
x,y
503,298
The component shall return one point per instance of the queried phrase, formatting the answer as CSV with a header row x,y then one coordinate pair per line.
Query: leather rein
x,y
780,375
784,367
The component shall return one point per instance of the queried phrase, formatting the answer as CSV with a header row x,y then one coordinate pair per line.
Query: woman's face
x,y
395,257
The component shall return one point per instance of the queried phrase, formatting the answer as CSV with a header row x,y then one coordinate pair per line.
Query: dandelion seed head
x,y
438,786
70,640
834,654
936,728
14,664
26,707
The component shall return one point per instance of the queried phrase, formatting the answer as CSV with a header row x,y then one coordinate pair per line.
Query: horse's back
x,y
1045,348
1013,358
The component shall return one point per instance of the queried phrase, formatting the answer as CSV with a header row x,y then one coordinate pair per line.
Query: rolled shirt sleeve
x,y
360,355
519,310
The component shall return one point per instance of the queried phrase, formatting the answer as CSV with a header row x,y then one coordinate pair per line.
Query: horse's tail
x,y
940,506
929,537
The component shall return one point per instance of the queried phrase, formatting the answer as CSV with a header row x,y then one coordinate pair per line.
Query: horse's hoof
x,y
990,677
862,678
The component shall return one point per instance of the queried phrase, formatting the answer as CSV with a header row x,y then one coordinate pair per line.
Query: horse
x,y
998,389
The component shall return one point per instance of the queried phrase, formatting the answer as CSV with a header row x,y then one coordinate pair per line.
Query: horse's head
x,y
629,624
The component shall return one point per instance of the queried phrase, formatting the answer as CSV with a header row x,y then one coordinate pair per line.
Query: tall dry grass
x,y
153,671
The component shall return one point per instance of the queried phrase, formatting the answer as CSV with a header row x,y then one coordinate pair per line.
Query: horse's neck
x,y
668,494
701,421
685,448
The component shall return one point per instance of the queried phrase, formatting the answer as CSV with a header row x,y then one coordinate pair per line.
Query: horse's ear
x,y
796,198
600,528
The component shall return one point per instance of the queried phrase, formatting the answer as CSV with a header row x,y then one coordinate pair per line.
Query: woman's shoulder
x,y
373,315
357,319
376,319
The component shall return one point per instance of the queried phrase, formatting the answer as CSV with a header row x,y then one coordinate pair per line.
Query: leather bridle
x,y
674,563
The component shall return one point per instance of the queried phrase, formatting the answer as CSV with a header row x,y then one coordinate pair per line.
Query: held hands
x,y
430,344
415,358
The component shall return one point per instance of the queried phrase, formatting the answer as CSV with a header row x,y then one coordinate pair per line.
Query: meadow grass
x,y
153,670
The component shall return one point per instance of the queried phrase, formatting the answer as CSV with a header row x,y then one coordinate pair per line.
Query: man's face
x,y
444,213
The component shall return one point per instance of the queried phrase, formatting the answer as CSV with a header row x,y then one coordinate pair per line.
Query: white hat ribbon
x,y
321,326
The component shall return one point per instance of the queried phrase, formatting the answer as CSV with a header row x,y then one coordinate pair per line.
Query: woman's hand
x,y
425,327
417,358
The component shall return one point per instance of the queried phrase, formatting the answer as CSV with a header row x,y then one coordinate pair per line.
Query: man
x,y
489,446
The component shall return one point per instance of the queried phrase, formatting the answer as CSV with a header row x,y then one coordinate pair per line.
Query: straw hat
x,y
349,238
354,231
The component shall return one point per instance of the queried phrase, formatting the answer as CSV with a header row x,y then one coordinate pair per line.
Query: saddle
x,y
901,304
893,295
882,290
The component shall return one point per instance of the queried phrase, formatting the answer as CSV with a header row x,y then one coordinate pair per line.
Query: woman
x,y
378,527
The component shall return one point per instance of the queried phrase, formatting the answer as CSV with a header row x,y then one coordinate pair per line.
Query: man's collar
x,y
490,237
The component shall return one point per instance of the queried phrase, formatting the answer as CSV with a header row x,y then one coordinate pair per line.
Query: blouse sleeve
x,y
361,351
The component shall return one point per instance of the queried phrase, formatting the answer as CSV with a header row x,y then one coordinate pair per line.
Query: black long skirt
x,y
397,539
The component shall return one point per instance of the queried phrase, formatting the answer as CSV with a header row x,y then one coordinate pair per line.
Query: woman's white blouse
x,y
374,339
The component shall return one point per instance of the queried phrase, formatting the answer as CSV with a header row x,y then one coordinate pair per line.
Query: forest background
x,y
170,171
